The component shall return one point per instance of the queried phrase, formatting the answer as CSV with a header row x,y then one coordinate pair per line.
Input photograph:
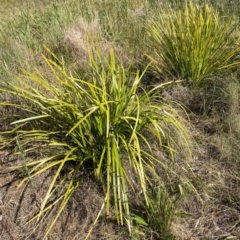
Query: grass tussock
x,y
101,121
192,43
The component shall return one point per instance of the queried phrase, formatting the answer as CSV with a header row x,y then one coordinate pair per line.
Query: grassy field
x,y
119,119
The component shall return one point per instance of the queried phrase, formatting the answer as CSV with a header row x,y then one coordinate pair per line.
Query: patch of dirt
x,y
18,206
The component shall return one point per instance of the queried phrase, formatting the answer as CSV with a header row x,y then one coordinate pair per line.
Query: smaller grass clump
x,y
158,215
192,43
103,122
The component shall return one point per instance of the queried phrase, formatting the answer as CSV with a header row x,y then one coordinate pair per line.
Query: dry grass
x,y
75,43
75,38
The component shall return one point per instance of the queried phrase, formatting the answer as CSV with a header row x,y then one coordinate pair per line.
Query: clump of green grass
x,y
104,121
158,215
192,43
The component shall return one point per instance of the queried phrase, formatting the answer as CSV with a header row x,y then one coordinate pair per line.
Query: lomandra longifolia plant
x,y
102,120
192,43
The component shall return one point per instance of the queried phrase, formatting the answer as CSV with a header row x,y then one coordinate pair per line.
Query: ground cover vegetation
x,y
119,119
